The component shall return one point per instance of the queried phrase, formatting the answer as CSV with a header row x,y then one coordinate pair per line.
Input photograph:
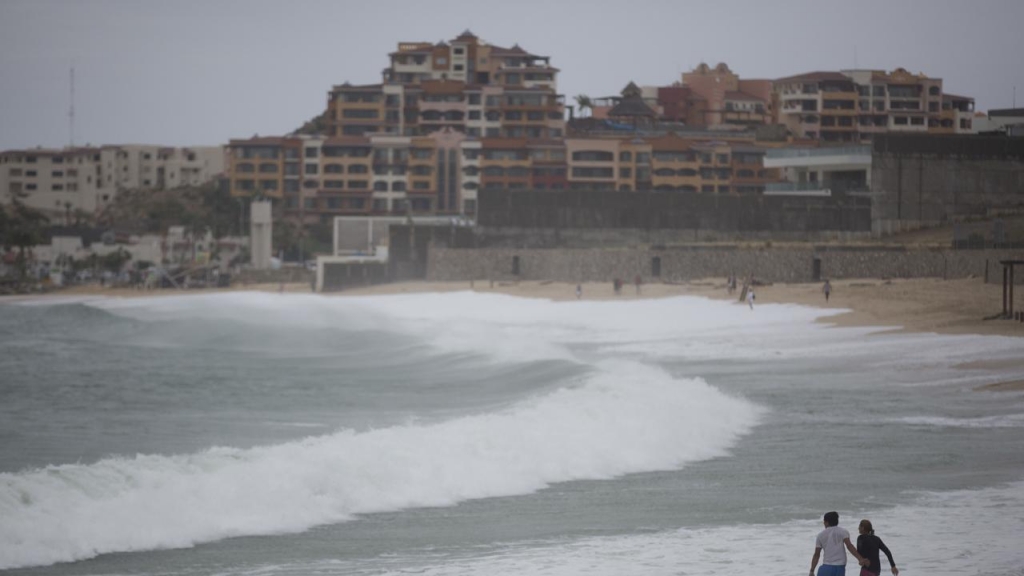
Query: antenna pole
x,y
71,110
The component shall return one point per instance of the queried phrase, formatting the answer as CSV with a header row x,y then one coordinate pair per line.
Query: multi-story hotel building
x,y
852,105
706,96
61,181
319,178
478,89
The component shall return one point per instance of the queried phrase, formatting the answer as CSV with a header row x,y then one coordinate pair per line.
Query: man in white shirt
x,y
831,546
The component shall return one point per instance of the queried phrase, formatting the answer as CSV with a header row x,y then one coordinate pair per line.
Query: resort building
x,y
63,181
853,105
707,97
466,84
317,179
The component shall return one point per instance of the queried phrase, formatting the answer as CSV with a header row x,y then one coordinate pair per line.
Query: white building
x,y
820,171
61,181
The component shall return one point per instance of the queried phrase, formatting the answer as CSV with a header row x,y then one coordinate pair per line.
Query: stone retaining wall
x,y
783,264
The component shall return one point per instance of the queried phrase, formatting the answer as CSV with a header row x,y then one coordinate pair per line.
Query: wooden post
x,y
1006,274
1011,299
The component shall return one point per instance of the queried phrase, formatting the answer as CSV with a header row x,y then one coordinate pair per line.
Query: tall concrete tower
x,y
260,234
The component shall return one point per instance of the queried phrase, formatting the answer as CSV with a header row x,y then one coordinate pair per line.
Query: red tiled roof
x,y
815,77
515,50
263,141
346,87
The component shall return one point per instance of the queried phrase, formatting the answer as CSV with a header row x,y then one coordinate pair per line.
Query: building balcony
x,y
796,189
854,157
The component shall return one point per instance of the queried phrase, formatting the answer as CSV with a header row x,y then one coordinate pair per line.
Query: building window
x,y
312,168
352,113
578,172
30,173
57,187
625,172
312,152
592,156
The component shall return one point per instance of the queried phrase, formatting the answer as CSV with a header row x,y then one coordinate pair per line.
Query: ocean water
x,y
481,434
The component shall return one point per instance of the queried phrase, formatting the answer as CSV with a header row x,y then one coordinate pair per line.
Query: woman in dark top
x,y
868,546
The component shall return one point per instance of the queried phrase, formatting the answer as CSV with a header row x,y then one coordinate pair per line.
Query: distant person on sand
x,y
868,546
750,297
637,281
579,291
831,546
827,289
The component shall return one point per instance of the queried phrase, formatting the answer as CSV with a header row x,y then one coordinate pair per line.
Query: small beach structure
x,y
1008,266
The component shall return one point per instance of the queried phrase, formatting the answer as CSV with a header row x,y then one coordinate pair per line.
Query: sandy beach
x,y
909,305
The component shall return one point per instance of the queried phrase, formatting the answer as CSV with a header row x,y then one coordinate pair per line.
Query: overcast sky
x,y
200,72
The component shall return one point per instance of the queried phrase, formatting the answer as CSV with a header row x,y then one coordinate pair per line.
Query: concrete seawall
x,y
782,264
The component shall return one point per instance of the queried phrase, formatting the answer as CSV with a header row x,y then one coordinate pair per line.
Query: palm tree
x,y
21,228
583,102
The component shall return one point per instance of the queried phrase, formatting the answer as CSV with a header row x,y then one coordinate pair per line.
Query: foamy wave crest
x,y
958,532
625,418
1002,421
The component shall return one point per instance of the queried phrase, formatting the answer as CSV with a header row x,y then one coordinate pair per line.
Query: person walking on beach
x,y
579,291
750,297
868,546
831,546
827,289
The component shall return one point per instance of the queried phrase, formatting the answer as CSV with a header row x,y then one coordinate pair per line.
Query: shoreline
x,y
902,305
918,305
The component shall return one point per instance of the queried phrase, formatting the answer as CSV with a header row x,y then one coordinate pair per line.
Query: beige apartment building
x,y
852,105
318,178
62,181
466,84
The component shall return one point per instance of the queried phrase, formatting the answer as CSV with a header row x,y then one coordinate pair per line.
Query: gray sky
x,y
200,72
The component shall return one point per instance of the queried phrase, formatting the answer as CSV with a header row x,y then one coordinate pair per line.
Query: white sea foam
x,y
998,421
945,533
506,328
626,418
